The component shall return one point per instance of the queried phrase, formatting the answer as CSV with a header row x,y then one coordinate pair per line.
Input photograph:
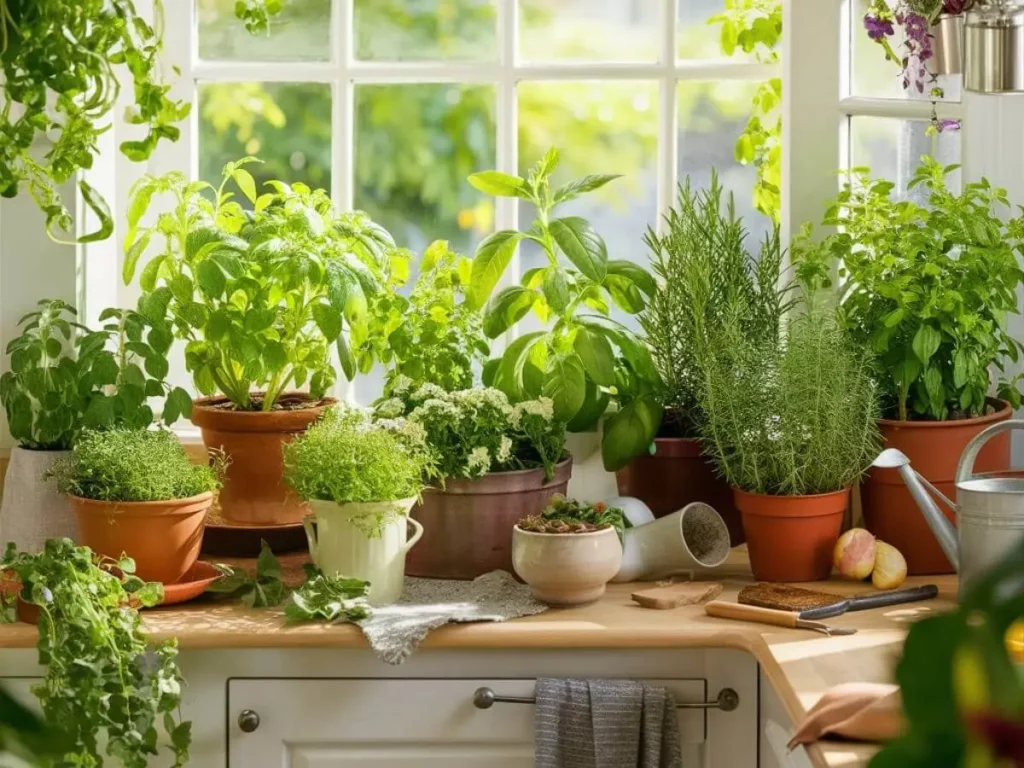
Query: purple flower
x,y
947,125
916,27
877,27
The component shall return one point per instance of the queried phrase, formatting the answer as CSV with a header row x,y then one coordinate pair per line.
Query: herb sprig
x,y
335,600
264,590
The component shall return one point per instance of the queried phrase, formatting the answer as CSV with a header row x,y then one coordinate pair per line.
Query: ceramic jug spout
x,y
943,530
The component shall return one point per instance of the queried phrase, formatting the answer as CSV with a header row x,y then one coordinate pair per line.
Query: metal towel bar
x,y
727,700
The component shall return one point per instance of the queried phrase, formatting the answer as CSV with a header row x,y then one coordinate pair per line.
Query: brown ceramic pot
x,y
467,527
254,491
163,537
934,449
676,474
790,538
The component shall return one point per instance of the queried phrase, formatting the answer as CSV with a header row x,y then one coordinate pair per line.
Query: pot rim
x,y
1005,410
587,535
480,486
407,502
206,496
827,494
221,420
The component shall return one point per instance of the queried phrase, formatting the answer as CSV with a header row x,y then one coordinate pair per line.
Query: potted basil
x,y
495,464
706,275
64,378
361,479
259,298
927,289
136,492
590,366
790,423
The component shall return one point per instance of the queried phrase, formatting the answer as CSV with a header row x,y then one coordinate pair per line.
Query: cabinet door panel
x,y
393,723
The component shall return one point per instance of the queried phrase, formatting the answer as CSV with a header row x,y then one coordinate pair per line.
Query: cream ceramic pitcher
x,y
344,543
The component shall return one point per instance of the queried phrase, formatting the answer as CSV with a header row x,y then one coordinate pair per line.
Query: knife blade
x,y
873,600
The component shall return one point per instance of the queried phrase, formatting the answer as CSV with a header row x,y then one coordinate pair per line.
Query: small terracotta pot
x,y
254,491
678,474
790,538
163,537
934,449
467,527
566,568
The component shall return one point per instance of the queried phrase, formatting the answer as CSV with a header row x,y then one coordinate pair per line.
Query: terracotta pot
x,y
790,538
676,475
254,491
934,449
467,527
163,537
566,568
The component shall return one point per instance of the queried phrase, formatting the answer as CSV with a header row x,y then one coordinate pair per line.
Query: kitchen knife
x,y
741,612
873,600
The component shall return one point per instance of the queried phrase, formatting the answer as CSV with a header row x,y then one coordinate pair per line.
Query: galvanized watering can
x,y
990,508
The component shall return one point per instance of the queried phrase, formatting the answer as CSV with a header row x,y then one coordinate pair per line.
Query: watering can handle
x,y
965,469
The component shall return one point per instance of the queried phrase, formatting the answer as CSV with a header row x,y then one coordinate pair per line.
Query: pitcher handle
x,y
965,469
416,536
307,525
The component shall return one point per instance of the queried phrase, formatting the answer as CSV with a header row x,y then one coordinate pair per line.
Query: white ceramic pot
x,y
634,510
695,538
32,510
566,568
350,540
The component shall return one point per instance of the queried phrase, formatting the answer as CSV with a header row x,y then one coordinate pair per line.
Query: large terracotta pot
x,y
791,538
467,526
676,474
934,449
163,537
254,491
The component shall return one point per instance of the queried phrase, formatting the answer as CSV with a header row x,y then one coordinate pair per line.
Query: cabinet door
x,y
396,723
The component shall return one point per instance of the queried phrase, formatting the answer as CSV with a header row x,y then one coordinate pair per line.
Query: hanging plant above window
x,y
918,53
61,61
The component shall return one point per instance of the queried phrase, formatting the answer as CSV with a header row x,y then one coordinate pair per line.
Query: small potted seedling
x,y
569,552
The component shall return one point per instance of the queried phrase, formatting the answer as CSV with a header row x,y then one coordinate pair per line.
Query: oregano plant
x,y
585,361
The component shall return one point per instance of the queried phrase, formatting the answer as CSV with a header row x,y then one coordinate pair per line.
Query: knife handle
x,y
741,612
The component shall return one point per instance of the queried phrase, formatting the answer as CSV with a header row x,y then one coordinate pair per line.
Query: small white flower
x,y
391,408
429,392
504,450
479,461
401,385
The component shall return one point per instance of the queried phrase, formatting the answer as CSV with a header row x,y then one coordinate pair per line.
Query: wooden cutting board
x,y
783,597
676,595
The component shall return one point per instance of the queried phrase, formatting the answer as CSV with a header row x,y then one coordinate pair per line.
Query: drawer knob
x,y
248,720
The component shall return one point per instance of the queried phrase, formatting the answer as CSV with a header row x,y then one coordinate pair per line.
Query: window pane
x,y
595,30
301,32
712,115
287,125
403,30
871,74
893,148
695,38
597,128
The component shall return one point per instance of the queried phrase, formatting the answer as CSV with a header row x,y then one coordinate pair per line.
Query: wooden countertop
x,y
800,664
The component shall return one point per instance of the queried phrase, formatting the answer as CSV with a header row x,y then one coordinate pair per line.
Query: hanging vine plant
x,y
754,27
61,61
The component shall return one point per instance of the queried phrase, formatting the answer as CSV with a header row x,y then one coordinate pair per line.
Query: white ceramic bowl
x,y
566,568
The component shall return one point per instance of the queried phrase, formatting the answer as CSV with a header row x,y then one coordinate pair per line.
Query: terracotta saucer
x,y
191,585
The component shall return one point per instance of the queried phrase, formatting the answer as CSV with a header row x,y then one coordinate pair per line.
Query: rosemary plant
x,y
705,275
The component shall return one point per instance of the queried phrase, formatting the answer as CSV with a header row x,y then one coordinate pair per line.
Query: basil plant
x,y
586,362
258,296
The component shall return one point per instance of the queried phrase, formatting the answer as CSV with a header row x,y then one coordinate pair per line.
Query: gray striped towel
x,y
605,724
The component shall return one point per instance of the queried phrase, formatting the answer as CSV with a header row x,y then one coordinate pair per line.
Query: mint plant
x,y
64,377
585,360
926,288
260,296
105,687
264,589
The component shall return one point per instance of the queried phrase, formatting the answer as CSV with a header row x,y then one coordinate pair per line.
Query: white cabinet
x,y
397,723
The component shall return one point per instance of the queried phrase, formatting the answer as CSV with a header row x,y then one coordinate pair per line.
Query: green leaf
x,y
629,432
506,308
150,272
345,357
246,183
581,186
635,273
211,279
328,319
489,264
581,245
565,384
596,355
507,375
95,202
500,184
595,403
556,288
132,256
624,293
926,342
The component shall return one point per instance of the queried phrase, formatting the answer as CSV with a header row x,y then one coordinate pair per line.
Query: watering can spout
x,y
944,531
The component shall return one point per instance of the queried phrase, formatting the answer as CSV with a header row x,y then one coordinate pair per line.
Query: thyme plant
x,y
706,278
793,417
